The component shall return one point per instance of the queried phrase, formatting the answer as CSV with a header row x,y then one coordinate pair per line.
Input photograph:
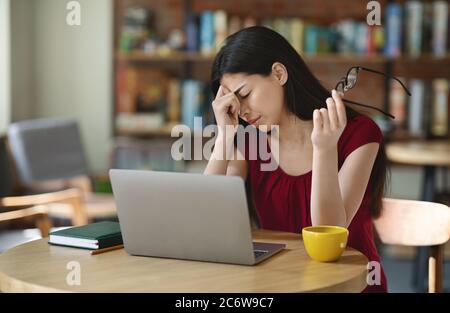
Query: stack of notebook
x,y
93,236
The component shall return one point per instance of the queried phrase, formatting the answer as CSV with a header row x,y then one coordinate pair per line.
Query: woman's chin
x,y
263,127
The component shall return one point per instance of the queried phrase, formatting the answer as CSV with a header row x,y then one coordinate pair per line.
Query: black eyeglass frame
x,y
346,86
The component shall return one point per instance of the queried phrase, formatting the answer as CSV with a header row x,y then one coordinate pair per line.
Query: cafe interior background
x,y
134,68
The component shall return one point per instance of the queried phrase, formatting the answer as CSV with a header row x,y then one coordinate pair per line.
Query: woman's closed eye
x,y
243,97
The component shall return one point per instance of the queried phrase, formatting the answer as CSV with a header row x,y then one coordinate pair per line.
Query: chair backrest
x,y
47,149
413,223
6,175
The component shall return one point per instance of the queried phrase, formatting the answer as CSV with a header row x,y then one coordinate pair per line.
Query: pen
x,y
98,251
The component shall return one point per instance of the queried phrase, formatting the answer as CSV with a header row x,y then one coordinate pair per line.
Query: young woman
x,y
331,167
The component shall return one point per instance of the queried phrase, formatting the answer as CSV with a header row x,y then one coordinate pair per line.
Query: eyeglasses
x,y
349,81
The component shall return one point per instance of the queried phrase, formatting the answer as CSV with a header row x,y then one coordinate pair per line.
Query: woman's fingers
x,y
234,104
332,114
220,92
340,108
227,91
226,107
317,120
227,100
325,119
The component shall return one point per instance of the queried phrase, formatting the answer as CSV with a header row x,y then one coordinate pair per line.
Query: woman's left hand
x,y
329,123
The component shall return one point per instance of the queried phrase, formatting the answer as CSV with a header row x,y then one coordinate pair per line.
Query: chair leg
x,y
44,224
79,216
420,264
420,270
435,262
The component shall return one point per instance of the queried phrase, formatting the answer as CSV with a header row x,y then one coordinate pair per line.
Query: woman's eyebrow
x,y
239,89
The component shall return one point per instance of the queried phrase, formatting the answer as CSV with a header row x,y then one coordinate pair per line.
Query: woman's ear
x,y
280,73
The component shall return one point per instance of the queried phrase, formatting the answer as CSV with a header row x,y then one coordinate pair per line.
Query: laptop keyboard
x,y
258,253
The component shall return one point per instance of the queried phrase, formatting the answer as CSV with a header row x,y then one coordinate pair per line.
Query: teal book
x,y
207,32
311,38
92,236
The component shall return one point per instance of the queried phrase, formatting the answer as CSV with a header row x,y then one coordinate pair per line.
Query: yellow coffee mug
x,y
325,243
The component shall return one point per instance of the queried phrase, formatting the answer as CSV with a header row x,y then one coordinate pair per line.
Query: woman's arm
x,y
224,160
220,162
336,196
354,177
327,206
220,156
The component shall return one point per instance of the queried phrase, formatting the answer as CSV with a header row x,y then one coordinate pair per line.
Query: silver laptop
x,y
186,216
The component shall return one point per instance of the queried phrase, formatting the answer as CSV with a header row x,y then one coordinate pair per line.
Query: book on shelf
x,y
126,80
427,31
311,35
297,28
375,40
207,32
192,32
416,107
413,27
416,28
234,24
440,108
267,22
325,40
92,236
192,102
173,101
393,30
220,26
281,26
362,39
347,36
428,108
440,28
249,21
397,103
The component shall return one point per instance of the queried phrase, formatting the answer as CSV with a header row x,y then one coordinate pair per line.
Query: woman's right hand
x,y
226,107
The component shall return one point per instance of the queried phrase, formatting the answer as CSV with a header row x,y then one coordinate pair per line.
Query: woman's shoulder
x,y
362,126
359,130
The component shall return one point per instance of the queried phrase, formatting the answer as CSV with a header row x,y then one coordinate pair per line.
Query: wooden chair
x,y
35,206
31,207
48,156
417,223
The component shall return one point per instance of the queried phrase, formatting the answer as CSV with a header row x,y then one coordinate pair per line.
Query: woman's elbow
x,y
340,220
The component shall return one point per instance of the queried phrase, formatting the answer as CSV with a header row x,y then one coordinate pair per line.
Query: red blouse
x,y
282,201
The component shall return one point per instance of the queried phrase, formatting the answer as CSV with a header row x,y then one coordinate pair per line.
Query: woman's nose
x,y
243,111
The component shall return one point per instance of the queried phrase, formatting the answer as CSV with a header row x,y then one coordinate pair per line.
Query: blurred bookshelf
x,y
163,52
180,56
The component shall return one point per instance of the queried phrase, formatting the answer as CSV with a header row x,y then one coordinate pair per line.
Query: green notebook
x,y
92,236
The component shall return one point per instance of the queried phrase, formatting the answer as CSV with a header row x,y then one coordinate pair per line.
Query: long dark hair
x,y
253,50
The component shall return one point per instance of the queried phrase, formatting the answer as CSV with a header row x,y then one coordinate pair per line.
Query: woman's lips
x,y
253,122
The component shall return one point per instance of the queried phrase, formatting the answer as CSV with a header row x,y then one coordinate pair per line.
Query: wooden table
x,y
422,153
39,267
429,155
